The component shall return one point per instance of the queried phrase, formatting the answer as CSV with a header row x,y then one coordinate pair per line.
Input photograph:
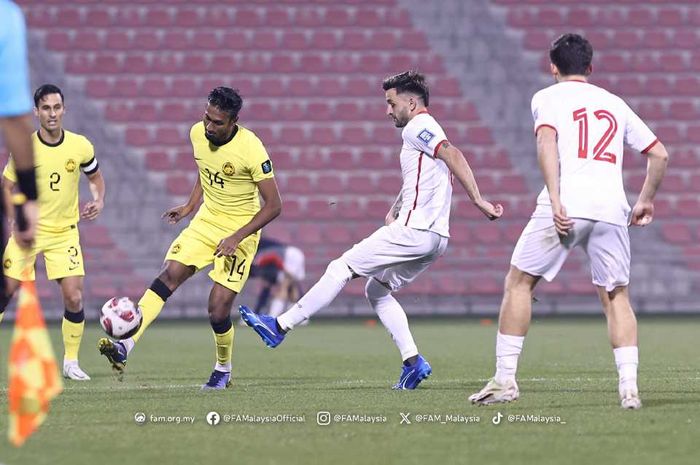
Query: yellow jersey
x,y
58,169
229,174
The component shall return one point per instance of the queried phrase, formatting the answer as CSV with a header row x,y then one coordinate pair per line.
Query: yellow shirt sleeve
x,y
9,171
88,151
261,166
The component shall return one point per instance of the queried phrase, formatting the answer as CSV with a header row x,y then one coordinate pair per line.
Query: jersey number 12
x,y
599,153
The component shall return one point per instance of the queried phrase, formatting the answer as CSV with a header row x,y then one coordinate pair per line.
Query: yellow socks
x,y
72,330
150,304
224,345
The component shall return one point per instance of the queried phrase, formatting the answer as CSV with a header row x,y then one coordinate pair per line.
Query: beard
x,y
212,138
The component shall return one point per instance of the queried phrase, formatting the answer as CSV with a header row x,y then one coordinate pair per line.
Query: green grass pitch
x,y
566,371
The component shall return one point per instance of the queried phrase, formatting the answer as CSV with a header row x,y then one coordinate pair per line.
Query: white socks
x,y
276,307
333,281
392,316
627,360
508,350
226,368
128,344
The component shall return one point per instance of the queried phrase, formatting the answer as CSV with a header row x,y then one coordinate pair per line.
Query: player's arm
x,y
97,188
270,210
459,167
17,132
394,210
7,188
175,214
548,159
657,159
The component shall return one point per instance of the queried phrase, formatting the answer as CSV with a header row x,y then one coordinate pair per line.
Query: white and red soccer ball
x,y
120,318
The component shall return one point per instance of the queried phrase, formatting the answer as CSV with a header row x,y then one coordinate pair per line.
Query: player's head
x,y
571,55
48,107
406,94
221,114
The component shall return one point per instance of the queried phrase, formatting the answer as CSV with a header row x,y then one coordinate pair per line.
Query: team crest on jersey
x,y
228,169
266,166
71,165
426,136
176,248
7,263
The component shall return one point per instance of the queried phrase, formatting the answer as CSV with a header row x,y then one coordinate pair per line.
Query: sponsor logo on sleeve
x,y
266,166
426,136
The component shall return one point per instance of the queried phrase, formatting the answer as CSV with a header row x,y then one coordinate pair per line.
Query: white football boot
x,y
629,399
71,370
496,393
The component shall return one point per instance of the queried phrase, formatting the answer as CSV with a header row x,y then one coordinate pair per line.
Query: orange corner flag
x,y
33,373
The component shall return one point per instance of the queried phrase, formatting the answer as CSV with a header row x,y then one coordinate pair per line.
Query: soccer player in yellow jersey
x,y
59,157
233,169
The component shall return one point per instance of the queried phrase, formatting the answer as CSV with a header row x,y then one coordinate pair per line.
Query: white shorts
x,y
294,263
541,252
395,255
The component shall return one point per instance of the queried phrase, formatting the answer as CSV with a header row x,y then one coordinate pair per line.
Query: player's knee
x,y
338,270
374,290
73,299
519,281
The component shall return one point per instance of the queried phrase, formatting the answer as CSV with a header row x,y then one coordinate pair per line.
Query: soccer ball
x,y
120,318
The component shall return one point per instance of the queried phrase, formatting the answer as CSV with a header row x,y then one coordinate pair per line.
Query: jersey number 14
x,y
599,153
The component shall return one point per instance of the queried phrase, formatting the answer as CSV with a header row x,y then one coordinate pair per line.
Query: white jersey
x,y
592,126
427,188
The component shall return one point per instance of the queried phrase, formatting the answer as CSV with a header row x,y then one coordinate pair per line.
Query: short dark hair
x,y
408,81
226,99
571,54
45,90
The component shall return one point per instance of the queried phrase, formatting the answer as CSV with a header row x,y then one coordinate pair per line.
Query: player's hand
x,y
562,223
227,247
30,211
492,212
175,214
91,210
642,213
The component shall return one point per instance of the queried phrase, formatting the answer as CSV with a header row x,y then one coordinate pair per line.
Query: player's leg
x,y
16,265
73,325
280,296
151,303
288,281
11,286
64,264
414,368
273,330
229,275
219,308
539,252
609,252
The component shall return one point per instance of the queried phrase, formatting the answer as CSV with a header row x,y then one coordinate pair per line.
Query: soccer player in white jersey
x,y
580,130
415,234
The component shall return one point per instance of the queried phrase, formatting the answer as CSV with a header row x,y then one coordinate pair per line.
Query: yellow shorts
x,y
61,250
196,244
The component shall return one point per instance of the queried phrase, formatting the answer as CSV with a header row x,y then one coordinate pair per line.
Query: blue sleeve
x,y
15,96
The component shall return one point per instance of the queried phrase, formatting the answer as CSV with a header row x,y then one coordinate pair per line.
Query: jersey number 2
x,y
599,153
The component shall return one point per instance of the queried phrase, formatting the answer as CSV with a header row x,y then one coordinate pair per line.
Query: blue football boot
x,y
412,375
218,380
265,326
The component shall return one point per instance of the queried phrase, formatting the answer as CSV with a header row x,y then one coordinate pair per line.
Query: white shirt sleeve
x,y
543,112
637,133
425,136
